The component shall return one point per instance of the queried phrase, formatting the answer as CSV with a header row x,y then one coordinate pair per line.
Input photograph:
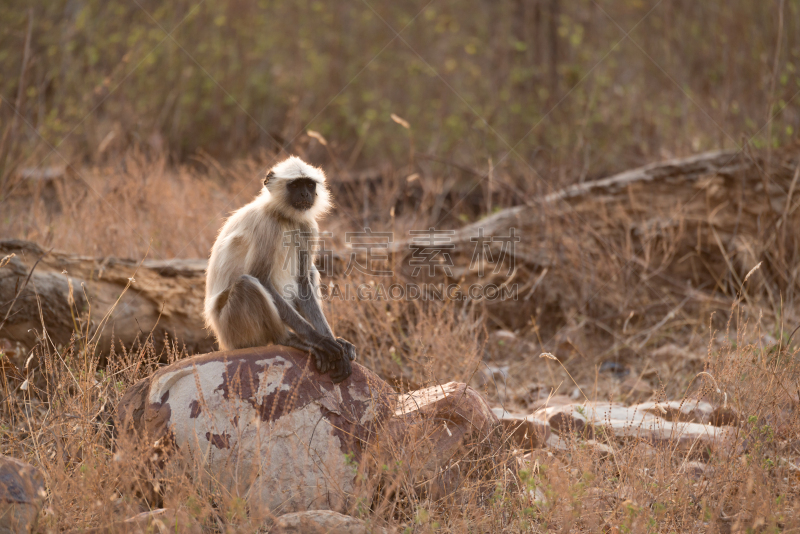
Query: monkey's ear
x,y
269,175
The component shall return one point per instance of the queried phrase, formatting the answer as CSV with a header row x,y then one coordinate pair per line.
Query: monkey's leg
x,y
308,299
249,317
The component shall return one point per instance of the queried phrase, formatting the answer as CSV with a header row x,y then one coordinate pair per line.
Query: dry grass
x,y
61,422
136,205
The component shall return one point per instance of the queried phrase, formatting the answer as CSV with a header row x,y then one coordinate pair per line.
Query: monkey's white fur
x,y
292,169
252,242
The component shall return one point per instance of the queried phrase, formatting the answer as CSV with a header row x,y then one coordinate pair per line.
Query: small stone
x,y
323,522
602,450
22,494
696,470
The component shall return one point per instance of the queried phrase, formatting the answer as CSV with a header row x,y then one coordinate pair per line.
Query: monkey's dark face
x,y
302,193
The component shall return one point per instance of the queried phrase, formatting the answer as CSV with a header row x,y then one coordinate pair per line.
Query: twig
x,y
8,140
772,93
549,356
668,317
26,54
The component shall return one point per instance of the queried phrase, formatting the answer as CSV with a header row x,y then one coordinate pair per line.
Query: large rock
x,y
261,423
444,434
22,494
265,426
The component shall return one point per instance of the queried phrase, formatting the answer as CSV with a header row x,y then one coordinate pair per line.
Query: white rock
x,y
261,423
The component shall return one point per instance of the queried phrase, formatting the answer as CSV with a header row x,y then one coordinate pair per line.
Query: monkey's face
x,y
302,193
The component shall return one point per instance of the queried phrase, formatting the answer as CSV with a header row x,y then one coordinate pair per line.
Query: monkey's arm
x,y
311,309
309,304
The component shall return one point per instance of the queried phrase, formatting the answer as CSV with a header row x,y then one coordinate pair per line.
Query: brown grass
x,y
62,421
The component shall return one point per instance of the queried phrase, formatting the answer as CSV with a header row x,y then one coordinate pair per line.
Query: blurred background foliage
x,y
587,86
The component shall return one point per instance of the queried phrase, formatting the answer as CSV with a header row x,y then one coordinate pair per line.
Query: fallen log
x,y
54,292
691,228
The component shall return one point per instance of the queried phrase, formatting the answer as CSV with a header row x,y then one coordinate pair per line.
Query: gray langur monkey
x,y
260,291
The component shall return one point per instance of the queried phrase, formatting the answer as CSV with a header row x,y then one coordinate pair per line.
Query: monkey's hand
x,y
341,370
349,348
327,352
